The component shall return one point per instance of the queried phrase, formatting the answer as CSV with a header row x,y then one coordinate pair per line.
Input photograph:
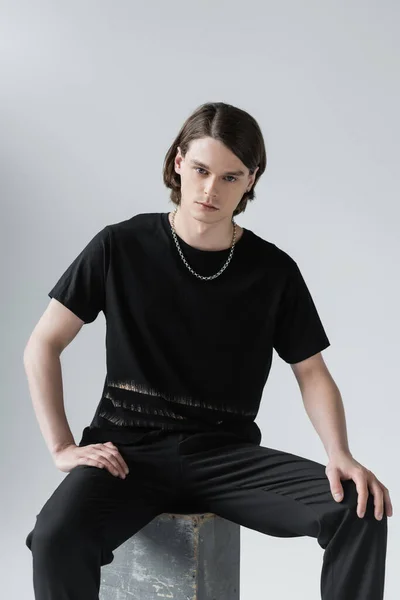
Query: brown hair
x,y
232,126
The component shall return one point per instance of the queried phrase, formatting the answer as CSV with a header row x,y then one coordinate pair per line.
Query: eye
x,y
199,168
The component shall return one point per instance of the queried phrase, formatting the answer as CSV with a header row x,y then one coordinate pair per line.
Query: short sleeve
x,y
81,288
298,330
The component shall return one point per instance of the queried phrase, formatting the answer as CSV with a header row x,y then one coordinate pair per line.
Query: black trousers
x,y
92,512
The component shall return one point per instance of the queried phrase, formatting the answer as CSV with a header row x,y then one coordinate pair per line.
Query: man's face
x,y
215,181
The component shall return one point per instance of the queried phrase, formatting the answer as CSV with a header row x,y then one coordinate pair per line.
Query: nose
x,y
210,192
210,189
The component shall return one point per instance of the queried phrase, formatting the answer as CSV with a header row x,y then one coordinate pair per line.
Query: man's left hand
x,y
344,466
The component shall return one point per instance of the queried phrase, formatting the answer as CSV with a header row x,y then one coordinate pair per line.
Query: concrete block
x,y
185,556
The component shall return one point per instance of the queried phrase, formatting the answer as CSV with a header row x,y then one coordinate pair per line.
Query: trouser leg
x,y
91,513
284,495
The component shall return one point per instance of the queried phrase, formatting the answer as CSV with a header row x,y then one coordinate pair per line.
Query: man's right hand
x,y
95,455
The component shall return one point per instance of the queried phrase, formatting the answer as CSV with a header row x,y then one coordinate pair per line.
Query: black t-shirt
x,y
182,353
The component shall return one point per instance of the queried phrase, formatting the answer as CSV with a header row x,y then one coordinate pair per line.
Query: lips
x,y
208,205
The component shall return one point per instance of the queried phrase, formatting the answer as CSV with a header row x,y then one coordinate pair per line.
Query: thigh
x,y
91,503
265,489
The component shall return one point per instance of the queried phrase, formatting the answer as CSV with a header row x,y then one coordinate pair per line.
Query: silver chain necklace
x,y
184,260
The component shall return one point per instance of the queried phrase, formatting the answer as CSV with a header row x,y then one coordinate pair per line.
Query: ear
x,y
252,179
254,174
178,160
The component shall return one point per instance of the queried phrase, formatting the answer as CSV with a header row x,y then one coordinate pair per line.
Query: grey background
x,y
92,95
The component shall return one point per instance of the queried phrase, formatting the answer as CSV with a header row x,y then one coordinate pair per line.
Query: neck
x,y
204,236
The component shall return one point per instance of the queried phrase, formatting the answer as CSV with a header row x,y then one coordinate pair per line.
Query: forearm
x,y
43,369
323,404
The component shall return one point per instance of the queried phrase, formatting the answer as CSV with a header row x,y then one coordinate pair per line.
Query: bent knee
x,y
351,499
50,535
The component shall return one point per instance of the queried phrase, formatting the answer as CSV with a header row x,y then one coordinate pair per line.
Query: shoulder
x,y
134,223
273,256
134,227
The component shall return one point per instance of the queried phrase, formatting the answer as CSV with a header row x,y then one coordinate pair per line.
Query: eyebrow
x,y
203,166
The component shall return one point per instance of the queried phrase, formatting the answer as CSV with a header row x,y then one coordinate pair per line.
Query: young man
x,y
194,306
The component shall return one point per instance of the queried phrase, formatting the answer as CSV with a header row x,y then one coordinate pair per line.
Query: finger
x,y
388,503
100,462
378,498
116,459
116,464
119,457
111,464
336,486
386,499
363,492
122,464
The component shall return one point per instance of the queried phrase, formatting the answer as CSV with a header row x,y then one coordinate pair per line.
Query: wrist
x,y
341,451
62,446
